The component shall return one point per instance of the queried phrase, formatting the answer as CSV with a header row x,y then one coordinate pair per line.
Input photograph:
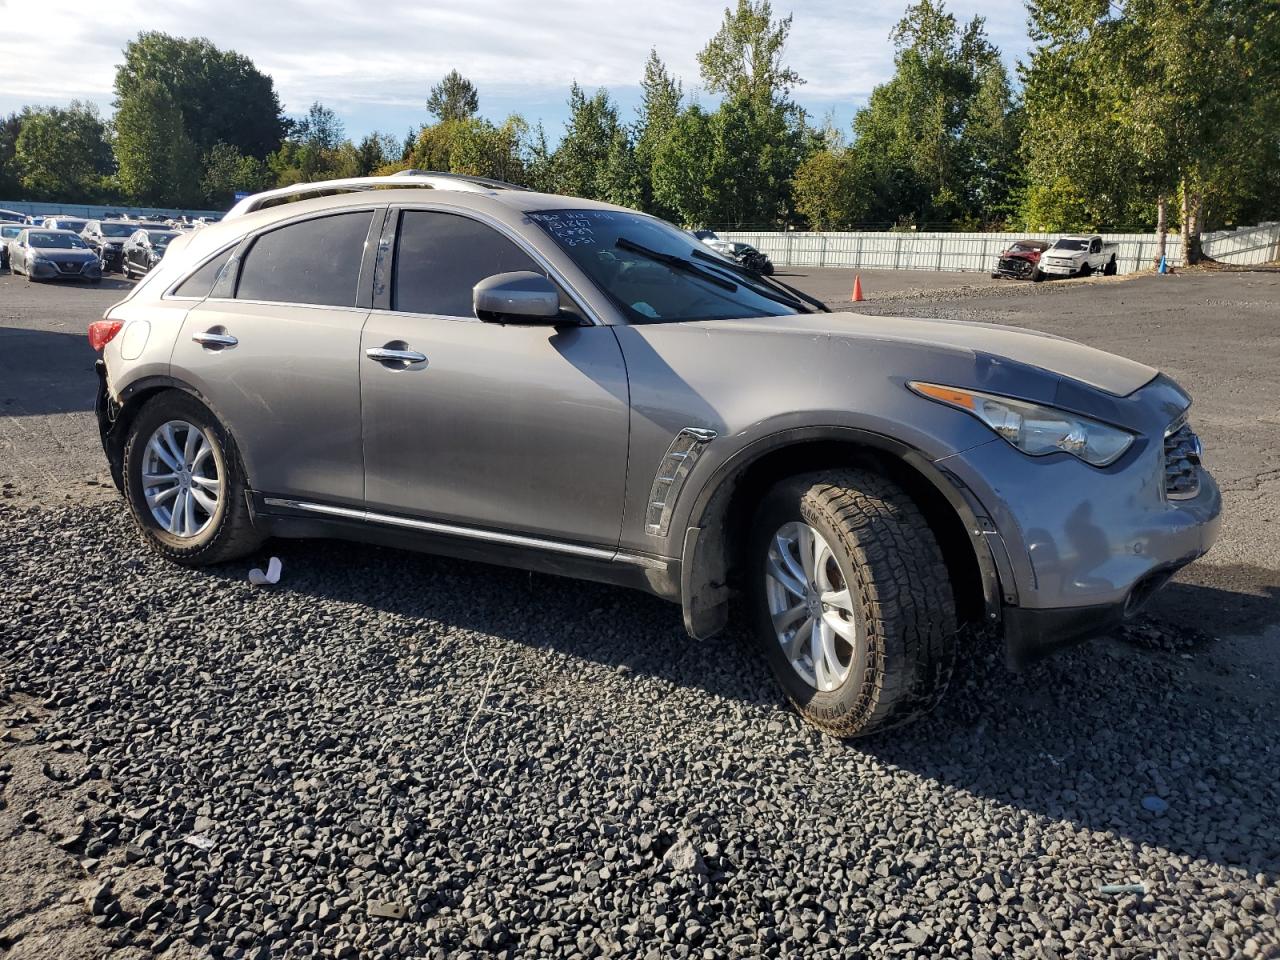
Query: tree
x,y
158,161
682,179
1179,100
659,112
62,154
375,151
744,59
10,175
826,187
595,158
937,142
321,129
221,96
228,171
473,146
453,98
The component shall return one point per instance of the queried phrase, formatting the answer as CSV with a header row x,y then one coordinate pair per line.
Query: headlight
x,y
1034,429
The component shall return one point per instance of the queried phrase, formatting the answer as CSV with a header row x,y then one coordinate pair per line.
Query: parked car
x,y
1020,260
74,224
8,233
107,238
1079,257
578,388
12,216
143,250
43,254
751,258
712,240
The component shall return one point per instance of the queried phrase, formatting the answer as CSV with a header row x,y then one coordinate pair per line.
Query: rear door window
x,y
441,256
314,261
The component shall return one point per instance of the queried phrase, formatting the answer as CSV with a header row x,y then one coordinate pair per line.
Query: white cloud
x,y
379,60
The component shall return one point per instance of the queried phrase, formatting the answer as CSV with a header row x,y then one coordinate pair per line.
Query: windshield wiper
x,y
764,285
677,263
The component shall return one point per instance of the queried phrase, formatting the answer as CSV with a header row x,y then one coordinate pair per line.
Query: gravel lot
x,y
395,755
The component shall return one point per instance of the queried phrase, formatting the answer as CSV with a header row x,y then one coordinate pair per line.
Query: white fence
x,y
977,252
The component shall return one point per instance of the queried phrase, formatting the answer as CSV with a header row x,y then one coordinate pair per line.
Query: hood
x,y
63,255
1056,355
1032,255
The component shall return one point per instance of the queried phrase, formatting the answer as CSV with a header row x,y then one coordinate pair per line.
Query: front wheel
x,y
184,484
1086,270
852,601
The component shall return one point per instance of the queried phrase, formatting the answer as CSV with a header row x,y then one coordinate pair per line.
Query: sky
x,y
375,63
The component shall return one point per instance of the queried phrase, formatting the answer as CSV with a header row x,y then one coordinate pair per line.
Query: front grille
x,y
1181,462
70,267
1015,265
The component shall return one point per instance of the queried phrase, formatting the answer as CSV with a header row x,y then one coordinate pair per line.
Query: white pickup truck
x,y
1079,257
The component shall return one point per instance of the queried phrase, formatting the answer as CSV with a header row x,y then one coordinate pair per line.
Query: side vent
x,y
672,473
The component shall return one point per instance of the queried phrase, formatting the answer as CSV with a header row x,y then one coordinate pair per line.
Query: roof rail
x,y
405,178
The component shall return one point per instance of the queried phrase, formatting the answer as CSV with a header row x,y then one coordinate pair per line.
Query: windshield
x,y
1026,248
74,225
1071,245
654,272
117,229
55,241
9,232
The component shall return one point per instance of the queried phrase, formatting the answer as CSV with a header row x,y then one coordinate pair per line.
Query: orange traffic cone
x,y
857,287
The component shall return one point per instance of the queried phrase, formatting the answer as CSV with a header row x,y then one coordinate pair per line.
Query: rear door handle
x,y
210,339
390,355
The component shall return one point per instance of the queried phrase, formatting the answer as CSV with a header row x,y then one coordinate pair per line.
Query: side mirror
x,y
517,297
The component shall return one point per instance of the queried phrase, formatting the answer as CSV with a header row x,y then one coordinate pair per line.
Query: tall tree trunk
x,y
1162,227
1186,224
1195,249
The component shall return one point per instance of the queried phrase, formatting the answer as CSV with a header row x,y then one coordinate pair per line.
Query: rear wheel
x,y
853,605
184,483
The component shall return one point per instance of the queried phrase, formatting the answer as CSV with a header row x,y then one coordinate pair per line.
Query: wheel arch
x,y
720,517
121,413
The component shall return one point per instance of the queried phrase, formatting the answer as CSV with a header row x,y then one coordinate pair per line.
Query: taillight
x,y
101,332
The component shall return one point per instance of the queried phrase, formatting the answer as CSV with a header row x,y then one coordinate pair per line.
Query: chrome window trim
x,y
532,251
282,303
470,533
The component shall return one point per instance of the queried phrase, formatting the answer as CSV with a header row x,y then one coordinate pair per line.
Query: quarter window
x,y
200,283
441,256
315,261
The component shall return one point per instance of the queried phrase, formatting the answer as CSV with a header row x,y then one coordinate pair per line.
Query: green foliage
x,y
826,189
226,171
473,146
1151,99
10,175
158,161
938,142
62,154
744,59
595,159
659,112
453,98
221,95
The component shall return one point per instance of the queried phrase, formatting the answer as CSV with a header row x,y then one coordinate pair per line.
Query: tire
x,y
768,269
225,532
1111,268
899,615
1086,270
1038,276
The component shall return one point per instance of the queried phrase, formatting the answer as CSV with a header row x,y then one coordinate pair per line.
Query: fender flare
x,y
704,594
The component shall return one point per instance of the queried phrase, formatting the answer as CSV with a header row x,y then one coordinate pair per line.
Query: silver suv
x,y
480,371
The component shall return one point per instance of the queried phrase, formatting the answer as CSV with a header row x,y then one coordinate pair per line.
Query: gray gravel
x,y
394,755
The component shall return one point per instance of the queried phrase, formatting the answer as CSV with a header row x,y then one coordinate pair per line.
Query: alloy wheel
x,y
811,607
180,478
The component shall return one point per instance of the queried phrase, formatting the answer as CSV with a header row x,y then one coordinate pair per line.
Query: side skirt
x,y
292,518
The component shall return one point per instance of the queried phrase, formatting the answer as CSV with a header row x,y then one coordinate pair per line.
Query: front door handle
x,y
391,355
211,339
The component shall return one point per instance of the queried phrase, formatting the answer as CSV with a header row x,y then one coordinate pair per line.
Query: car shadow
x,y
1083,737
45,371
